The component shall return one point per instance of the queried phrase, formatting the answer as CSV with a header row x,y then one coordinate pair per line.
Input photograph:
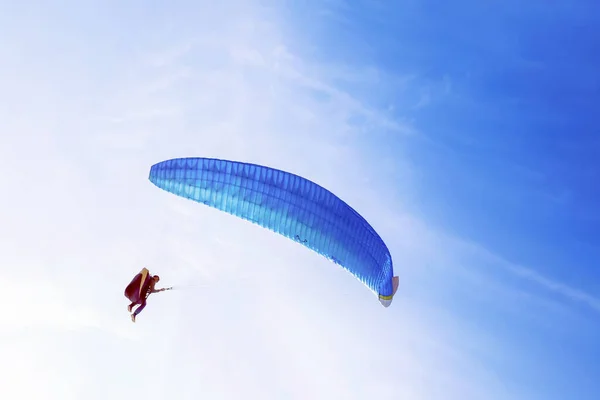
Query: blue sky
x,y
466,134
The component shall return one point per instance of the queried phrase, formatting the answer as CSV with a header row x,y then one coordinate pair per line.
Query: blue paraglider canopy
x,y
289,205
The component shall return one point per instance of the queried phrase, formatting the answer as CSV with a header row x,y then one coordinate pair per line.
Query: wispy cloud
x,y
565,292
414,238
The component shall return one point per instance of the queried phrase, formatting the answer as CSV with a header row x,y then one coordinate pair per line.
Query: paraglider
x,y
289,205
138,290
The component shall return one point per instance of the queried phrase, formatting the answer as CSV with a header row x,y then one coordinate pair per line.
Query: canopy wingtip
x,y
386,301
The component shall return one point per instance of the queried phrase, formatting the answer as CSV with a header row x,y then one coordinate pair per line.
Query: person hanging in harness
x,y
138,290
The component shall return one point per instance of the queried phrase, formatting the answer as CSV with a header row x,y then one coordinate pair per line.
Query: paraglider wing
x,y
289,205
